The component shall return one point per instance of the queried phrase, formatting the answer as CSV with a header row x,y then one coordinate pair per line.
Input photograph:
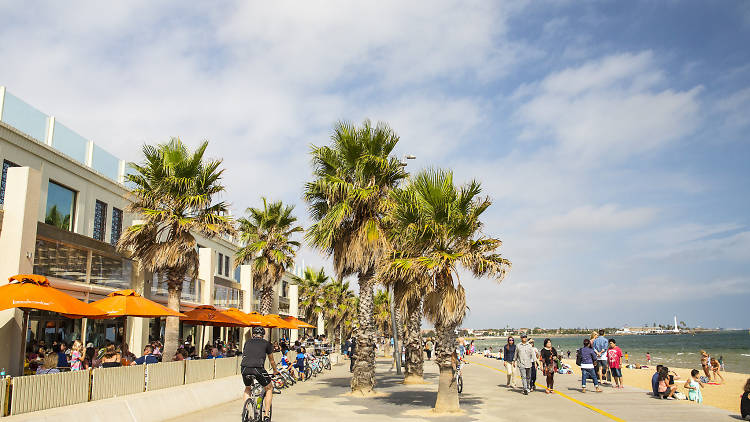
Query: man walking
x,y
352,353
509,356
525,358
601,345
534,365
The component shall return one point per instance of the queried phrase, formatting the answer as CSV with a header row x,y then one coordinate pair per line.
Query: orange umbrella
x,y
208,315
31,291
298,322
253,320
129,303
262,320
280,322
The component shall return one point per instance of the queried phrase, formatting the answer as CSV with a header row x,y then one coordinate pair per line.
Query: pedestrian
x,y
614,355
745,400
600,346
525,358
715,366
549,364
706,364
694,386
76,356
568,354
588,356
428,348
509,355
352,353
648,358
534,365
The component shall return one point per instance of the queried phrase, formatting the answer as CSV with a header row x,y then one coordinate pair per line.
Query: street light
x,y
396,348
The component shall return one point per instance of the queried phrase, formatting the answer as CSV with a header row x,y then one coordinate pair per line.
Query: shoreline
x,y
724,396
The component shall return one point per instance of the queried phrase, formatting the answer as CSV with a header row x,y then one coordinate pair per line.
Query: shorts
x,y
616,372
600,363
259,374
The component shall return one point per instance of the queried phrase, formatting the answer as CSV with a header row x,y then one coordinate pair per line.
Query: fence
x,y
114,382
38,392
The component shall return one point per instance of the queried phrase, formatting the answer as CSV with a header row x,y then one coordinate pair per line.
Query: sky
x,y
612,137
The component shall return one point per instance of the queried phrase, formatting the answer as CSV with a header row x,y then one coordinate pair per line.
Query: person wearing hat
x,y
525,358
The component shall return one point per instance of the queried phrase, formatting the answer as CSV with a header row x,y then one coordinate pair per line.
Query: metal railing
x,y
38,392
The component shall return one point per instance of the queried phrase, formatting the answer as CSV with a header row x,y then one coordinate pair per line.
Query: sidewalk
x,y
485,398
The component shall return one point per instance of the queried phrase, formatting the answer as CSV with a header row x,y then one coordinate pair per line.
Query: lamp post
x,y
396,348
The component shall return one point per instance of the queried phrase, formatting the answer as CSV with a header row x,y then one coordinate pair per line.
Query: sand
x,y
725,396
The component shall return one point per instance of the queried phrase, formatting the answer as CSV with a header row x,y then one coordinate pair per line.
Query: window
x,y
226,265
221,263
100,218
6,165
56,259
60,206
116,225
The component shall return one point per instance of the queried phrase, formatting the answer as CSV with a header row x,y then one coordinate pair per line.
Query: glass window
x,y
100,218
69,142
24,117
226,265
6,165
191,288
237,275
60,206
111,272
221,263
105,163
55,259
226,297
116,225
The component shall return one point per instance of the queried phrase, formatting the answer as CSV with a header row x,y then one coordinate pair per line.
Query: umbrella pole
x,y
24,328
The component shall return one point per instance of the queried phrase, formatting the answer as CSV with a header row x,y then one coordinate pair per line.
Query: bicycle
x,y
459,378
252,411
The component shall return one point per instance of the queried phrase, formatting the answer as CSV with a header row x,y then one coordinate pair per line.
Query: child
x,y
614,355
76,356
745,401
694,387
300,364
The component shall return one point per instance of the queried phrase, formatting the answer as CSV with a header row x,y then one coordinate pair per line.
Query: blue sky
x,y
612,136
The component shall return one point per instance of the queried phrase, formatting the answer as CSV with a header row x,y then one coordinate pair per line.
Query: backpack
x,y
578,357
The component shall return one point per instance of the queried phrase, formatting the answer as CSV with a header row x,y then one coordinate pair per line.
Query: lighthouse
x,y
676,330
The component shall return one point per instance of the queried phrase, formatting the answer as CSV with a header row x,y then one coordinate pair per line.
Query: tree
x,y
352,179
382,313
338,303
442,231
311,288
174,192
267,236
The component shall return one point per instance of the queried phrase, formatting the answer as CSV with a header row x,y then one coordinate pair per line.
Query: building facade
x,y
63,206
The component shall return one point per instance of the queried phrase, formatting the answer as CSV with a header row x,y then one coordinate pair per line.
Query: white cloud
x,y
609,109
588,219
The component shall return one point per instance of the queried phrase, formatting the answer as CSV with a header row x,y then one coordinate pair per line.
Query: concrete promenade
x,y
485,398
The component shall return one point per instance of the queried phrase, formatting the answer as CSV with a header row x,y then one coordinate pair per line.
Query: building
x,y
62,208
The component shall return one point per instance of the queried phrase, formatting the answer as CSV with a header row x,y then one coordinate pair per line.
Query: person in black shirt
x,y
352,353
549,364
745,401
253,360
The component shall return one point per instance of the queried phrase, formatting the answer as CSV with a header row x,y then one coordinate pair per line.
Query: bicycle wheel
x,y
460,384
328,365
258,409
248,410
308,373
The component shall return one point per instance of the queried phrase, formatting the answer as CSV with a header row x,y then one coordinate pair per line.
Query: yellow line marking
x,y
576,401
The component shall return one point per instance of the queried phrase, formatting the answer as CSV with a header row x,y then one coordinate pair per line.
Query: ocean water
x,y
678,350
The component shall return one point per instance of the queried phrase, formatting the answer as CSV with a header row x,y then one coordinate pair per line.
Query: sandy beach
x,y
725,396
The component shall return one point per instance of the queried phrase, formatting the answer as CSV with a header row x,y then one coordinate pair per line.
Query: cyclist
x,y
253,360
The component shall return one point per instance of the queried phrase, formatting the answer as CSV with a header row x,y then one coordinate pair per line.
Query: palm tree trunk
x,y
414,369
363,377
266,300
336,340
447,397
172,326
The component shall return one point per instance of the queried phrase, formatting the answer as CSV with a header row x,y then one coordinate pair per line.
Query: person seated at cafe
x,y
148,356
215,353
62,359
180,355
111,358
49,365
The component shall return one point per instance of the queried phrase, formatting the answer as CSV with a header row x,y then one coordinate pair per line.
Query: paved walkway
x,y
485,398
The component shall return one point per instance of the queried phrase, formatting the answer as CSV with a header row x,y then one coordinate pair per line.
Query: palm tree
x,y
338,299
346,199
441,230
311,288
266,234
382,313
174,192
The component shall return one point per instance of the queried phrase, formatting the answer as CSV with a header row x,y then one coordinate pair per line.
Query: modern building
x,y
63,207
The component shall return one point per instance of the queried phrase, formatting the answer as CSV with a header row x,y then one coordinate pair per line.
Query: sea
x,y
677,350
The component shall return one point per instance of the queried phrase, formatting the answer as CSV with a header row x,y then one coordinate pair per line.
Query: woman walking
x,y
549,362
705,364
588,356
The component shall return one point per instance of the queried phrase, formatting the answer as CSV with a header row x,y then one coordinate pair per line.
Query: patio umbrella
x,y
32,291
129,303
207,315
254,319
298,322
280,322
263,320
